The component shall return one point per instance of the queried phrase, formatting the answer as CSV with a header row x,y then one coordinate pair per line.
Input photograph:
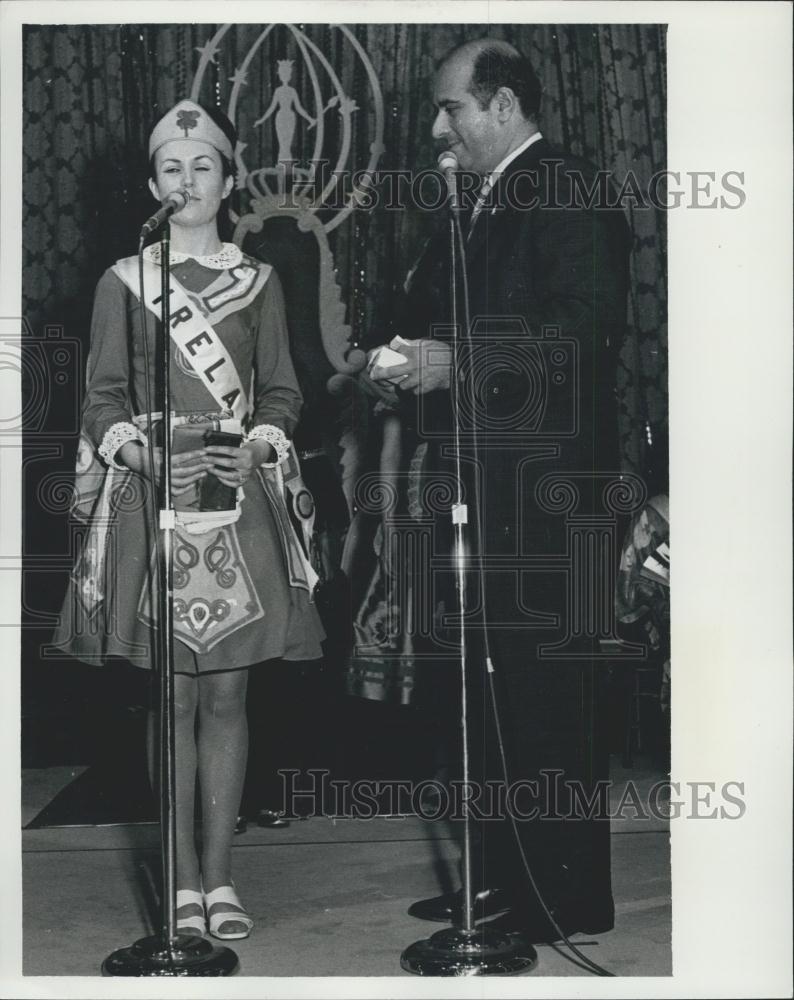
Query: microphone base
x,y
189,956
478,952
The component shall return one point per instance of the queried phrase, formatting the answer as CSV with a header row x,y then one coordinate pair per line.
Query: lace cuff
x,y
275,437
115,436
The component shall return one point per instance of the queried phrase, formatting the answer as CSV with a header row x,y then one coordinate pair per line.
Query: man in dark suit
x,y
547,281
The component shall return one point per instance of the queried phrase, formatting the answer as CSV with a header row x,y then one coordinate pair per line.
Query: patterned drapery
x,y
91,94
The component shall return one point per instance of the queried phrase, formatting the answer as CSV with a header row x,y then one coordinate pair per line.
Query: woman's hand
x,y
187,468
233,466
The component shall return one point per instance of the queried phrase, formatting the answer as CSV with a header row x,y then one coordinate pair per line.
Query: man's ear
x,y
505,102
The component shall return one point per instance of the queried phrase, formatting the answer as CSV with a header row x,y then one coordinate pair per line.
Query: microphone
x,y
173,202
448,164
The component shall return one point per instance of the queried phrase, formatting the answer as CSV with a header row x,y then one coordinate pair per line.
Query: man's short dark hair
x,y
498,65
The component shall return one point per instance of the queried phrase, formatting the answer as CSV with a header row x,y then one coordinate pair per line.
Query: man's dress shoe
x,y
270,818
537,929
448,908
265,817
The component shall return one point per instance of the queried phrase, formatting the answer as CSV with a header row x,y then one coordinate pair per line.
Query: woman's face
x,y
197,168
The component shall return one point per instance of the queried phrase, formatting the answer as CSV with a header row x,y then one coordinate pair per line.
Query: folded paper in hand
x,y
385,357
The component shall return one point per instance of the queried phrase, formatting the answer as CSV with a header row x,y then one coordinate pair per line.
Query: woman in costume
x,y
242,580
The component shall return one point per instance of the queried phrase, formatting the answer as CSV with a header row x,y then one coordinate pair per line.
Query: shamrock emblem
x,y
187,120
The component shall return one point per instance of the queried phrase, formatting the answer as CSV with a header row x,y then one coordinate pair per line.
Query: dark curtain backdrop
x,y
92,93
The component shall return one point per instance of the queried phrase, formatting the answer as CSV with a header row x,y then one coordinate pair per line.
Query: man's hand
x,y
382,391
428,366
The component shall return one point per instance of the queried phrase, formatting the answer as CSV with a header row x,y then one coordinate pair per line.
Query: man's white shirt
x,y
494,175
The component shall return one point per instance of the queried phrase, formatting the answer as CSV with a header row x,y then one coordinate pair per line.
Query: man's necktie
x,y
485,190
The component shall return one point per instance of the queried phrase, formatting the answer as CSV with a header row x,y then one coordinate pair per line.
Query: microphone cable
x,y
457,237
167,209
152,506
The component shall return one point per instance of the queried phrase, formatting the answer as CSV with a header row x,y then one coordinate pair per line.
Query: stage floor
x,y
329,897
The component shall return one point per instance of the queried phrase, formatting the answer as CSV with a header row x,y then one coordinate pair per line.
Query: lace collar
x,y
229,256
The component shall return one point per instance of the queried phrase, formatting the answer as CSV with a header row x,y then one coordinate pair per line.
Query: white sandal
x,y
226,894
196,923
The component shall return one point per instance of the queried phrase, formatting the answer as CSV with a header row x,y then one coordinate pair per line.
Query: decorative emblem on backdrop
x,y
287,101
296,156
293,110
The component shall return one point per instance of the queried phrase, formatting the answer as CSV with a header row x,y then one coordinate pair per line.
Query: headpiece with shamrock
x,y
187,120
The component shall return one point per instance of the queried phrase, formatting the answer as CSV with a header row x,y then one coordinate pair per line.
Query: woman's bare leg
x,y
222,755
188,875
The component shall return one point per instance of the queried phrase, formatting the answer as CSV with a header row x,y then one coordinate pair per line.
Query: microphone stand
x,y
466,950
167,953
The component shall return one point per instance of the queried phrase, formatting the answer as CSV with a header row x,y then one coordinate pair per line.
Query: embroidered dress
x,y
242,584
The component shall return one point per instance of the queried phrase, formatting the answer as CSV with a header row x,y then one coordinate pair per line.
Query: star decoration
x,y
209,50
239,78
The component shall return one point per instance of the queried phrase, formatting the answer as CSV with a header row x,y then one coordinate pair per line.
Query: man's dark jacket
x,y
547,282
